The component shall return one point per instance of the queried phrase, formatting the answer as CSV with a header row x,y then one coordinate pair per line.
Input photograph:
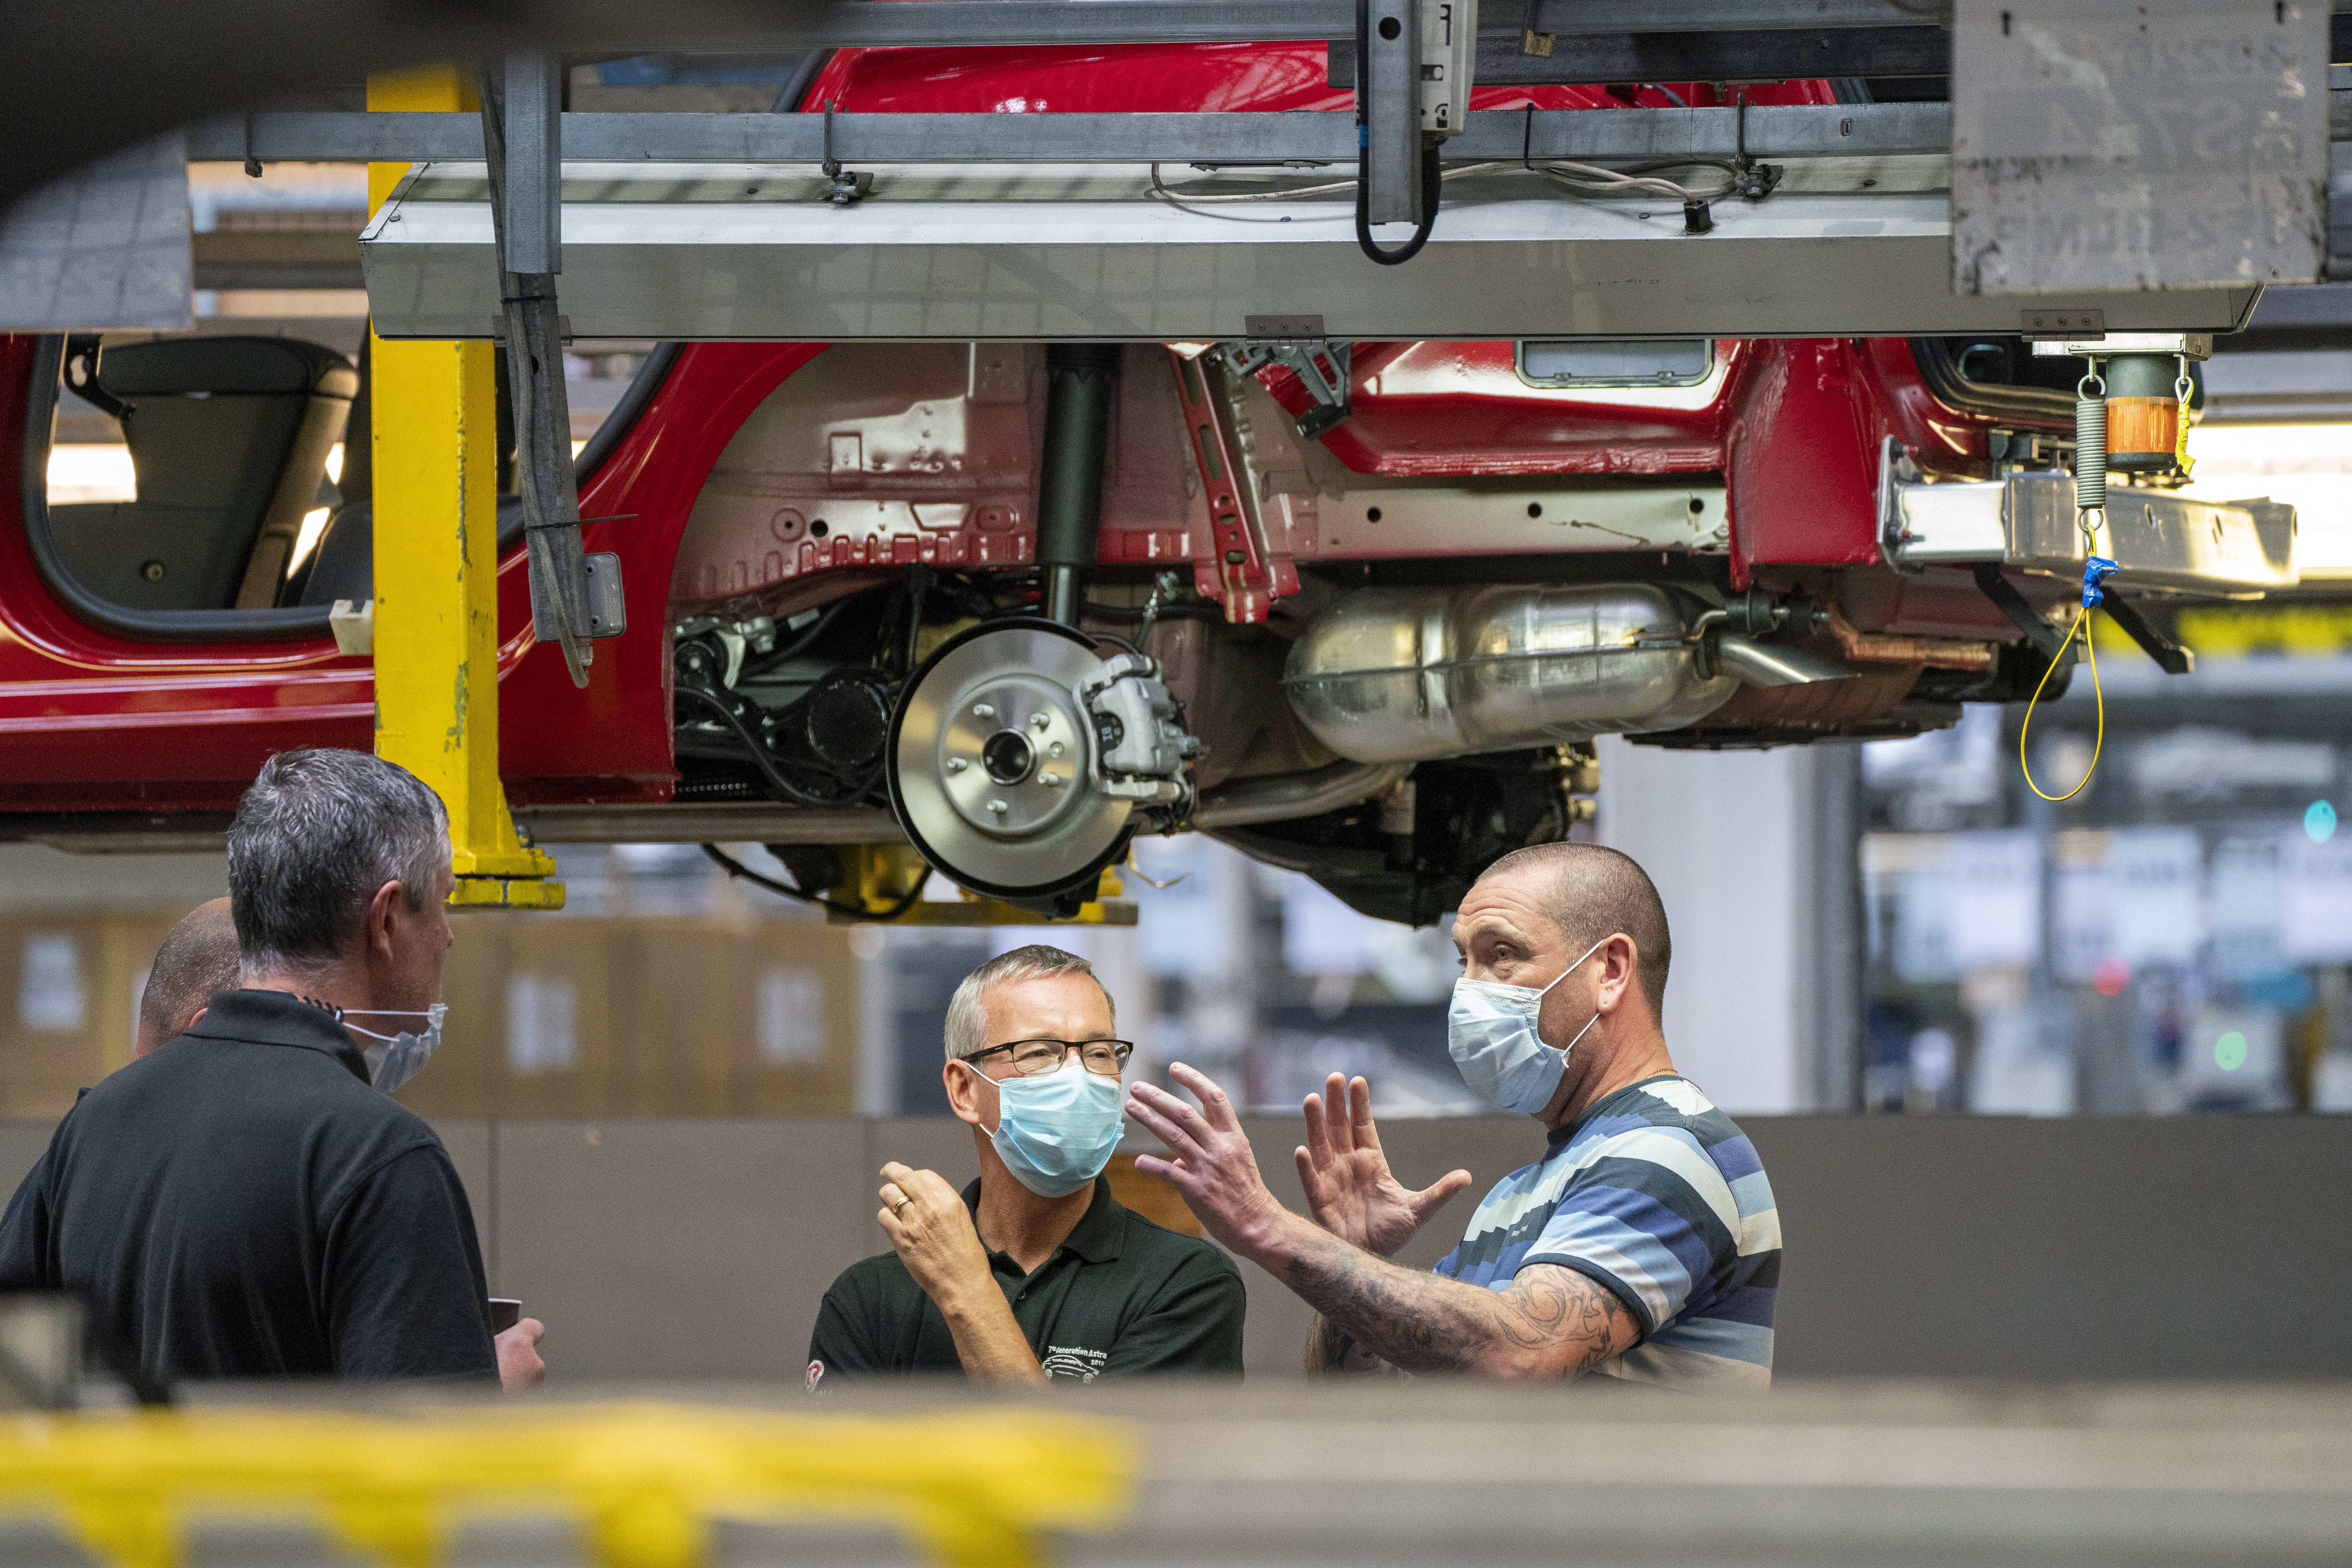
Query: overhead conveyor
x,y
1096,253
1101,227
1788,221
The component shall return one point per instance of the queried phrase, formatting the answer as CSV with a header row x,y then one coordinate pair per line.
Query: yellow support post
x,y
437,568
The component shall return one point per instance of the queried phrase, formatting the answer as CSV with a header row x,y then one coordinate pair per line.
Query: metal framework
x,y
1779,132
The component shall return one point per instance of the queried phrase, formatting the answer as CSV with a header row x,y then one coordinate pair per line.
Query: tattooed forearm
x,y
1552,1322
1332,1352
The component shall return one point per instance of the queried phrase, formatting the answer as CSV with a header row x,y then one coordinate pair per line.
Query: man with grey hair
x,y
247,1200
1034,1272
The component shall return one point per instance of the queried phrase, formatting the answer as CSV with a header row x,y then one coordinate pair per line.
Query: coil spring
x,y
2091,445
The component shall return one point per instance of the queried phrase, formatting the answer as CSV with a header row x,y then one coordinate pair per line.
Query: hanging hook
x,y
840,189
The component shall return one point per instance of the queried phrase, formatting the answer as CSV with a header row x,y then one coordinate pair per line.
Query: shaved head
x,y
197,958
1590,892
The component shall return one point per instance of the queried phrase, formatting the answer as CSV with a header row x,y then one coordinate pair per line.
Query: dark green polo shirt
x,y
1121,1295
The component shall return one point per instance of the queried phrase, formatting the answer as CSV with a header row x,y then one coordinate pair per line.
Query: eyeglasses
x,y
1033,1056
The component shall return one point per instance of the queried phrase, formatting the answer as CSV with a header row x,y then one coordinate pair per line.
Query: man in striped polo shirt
x,y
1644,1245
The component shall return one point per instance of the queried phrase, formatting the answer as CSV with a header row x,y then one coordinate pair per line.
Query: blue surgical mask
x,y
396,1058
1055,1130
1491,1032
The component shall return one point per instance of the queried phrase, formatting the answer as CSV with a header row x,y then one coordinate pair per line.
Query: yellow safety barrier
x,y
645,1482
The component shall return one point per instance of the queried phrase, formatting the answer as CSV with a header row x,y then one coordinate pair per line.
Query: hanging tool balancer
x,y
2133,418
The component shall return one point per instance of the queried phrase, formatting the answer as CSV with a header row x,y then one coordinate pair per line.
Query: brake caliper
x,y
1142,748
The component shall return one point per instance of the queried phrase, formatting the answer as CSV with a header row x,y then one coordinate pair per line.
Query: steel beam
x,y
953,253
887,22
1793,130
1390,110
534,163
1822,51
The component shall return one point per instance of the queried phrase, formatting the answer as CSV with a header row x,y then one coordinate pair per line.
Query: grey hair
x,y
966,1029
314,837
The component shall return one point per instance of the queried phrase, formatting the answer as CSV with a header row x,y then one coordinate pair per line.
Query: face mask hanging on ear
x,y
1491,1033
398,1058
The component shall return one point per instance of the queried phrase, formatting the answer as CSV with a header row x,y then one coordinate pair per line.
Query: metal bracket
x,y
571,602
2045,636
2107,345
2035,325
2169,656
1388,109
1232,563
1321,368
842,188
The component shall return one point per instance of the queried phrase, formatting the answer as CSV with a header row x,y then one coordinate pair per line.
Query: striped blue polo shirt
x,y
1659,1196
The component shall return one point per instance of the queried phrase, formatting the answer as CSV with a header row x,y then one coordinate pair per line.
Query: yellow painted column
x,y
435,414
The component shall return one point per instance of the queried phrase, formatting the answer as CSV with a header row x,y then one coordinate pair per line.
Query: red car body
x,y
93,720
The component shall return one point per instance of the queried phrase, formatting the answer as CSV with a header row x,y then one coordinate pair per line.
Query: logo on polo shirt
x,y
1072,1361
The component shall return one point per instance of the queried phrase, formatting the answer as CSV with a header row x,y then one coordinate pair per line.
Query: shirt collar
x,y
278,1018
1101,1232
1560,1136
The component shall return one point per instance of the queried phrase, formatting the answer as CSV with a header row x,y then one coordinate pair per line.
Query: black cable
x,y
735,867
800,644
1132,615
761,761
918,588
1431,179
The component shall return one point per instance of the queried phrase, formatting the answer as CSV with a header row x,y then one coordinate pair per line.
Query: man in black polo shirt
x,y
247,1200
1034,1272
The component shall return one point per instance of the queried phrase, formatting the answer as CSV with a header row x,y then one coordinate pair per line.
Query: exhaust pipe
x,y
1395,675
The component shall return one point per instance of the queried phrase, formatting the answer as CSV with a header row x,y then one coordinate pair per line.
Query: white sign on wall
x,y
792,1017
2154,874
1996,892
2316,916
2246,905
2084,914
542,1023
52,998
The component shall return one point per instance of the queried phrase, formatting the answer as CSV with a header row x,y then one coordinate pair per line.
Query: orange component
x,y
1876,648
2140,432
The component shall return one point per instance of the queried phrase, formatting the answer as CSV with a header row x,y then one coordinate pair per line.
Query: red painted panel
x,y
89,719
612,740
1803,470
1104,79
1434,409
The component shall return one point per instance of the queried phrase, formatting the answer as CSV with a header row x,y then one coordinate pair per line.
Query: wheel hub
x,y
1010,755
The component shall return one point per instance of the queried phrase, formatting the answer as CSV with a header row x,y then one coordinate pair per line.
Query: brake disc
x,y
990,763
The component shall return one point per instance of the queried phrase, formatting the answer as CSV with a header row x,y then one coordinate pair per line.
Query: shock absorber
x,y
1081,385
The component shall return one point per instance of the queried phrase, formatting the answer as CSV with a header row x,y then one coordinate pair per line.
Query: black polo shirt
x,y
1121,1295
241,1203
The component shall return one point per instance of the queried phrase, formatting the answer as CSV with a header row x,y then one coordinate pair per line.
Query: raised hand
x,y
1350,1190
929,1227
1212,1167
